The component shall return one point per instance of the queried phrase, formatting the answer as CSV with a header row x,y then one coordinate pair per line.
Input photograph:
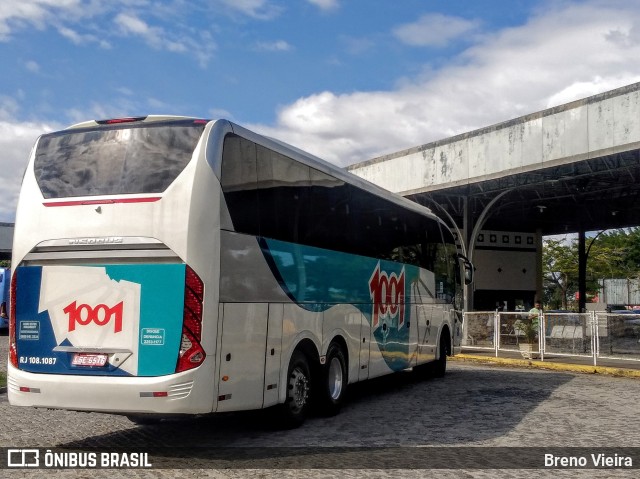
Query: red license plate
x,y
88,359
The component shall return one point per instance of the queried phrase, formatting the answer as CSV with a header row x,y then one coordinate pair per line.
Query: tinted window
x,y
114,160
271,195
329,215
239,178
283,196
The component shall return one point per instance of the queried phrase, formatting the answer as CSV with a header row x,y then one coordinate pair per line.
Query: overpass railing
x,y
595,335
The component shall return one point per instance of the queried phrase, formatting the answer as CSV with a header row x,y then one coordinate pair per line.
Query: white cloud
x,y
32,66
80,39
16,141
258,9
560,53
18,14
435,30
583,89
130,24
325,5
69,18
276,46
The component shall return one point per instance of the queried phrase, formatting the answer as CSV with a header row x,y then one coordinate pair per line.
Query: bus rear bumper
x,y
173,394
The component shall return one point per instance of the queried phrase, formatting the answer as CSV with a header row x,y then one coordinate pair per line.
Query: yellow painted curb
x,y
579,368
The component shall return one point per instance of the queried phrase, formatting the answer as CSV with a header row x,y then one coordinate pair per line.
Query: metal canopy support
x,y
486,212
472,234
462,238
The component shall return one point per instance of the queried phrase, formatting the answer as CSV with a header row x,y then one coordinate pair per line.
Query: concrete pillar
x,y
467,226
582,272
539,266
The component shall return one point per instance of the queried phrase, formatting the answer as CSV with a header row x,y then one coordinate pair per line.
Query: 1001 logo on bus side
x,y
387,294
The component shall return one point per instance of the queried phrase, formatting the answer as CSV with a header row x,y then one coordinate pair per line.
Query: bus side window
x,y
239,180
283,190
328,224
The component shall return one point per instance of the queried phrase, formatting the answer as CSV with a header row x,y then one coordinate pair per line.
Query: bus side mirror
x,y
468,269
468,273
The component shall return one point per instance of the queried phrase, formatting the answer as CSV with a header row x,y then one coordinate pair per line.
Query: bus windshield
x,y
114,160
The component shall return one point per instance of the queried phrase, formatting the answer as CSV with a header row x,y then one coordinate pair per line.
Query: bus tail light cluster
x,y
191,353
13,352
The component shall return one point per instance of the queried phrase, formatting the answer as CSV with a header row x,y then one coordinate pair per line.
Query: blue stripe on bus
x,y
317,279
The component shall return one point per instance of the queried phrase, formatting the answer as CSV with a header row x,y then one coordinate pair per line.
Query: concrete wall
x,y
596,126
6,237
505,261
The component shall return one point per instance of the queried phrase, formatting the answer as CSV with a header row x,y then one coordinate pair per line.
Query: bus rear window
x,y
114,160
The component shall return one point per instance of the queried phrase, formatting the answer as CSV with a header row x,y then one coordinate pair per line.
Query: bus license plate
x,y
87,359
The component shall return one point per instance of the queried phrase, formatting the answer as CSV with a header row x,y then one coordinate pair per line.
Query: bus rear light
x,y
25,389
193,323
13,351
194,283
191,353
193,303
114,121
154,394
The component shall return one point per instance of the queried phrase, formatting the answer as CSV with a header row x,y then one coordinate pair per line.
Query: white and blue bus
x,y
171,265
5,281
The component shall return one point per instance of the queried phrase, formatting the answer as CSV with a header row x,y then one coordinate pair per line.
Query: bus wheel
x,y
440,366
295,407
334,381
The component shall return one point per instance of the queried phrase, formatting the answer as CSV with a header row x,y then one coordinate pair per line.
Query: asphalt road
x,y
473,406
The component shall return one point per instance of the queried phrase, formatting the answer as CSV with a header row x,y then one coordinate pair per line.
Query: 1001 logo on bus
x,y
387,294
101,315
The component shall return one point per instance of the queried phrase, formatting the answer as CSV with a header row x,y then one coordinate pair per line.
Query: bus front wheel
x,y
296,405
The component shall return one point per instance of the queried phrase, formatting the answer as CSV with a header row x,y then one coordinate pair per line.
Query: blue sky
x,y
347,80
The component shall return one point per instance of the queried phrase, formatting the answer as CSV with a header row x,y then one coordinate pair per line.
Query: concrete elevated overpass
x,y
568,169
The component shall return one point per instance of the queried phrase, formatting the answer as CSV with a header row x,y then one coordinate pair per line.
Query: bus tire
x,y
334,379
440,365
294,410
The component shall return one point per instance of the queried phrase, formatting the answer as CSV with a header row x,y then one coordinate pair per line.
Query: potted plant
x,y
529,347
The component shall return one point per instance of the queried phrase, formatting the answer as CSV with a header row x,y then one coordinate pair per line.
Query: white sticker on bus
x,y
91,310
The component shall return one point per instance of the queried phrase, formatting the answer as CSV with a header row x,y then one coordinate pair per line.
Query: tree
x,y
560,272
617,254
612,254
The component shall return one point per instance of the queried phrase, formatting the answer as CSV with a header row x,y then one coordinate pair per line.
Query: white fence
x,y
620,291
595,335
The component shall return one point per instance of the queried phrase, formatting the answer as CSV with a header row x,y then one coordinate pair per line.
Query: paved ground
x,y
475,405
